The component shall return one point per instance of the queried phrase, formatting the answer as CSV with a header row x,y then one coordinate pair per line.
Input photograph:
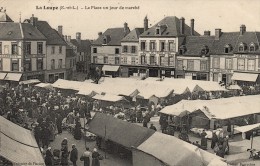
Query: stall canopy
x,y
2,76
108,97
248,127
44,85
110,68
234,87
66,84
119,131
13,76
33,81
245,77
18,145
173,151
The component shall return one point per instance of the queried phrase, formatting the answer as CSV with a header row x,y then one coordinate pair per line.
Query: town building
x,y
22,50
160,44
55,50
235,57
106,50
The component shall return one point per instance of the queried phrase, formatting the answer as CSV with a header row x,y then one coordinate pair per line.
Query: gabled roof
x,y
5,18
115,35
133,36
16,31
82,45
172,28
247,38
195,44
53,37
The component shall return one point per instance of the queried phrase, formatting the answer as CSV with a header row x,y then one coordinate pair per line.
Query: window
x,y
28,48
171,46
39,64
39,48
105,59
27,64
203,65
116,60
250,64
241,64
227,48
0,47
216,63
71,63
95,59
125,49
124,60
1,64
215,77
116,50
152,60
157,31
104,41
162,46
53,64
242,47
228,63
6,49
60,64
133,49
53,50
252,47
180,64
190,65
162,63
182,49
142,46
152,46
143,60
14,49
205,50
132,60
60,49
94,50
15,65
171,61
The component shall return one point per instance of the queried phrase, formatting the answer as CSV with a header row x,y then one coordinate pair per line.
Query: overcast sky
x,y
208,14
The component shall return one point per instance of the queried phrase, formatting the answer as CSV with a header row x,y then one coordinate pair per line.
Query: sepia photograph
x,y
129,83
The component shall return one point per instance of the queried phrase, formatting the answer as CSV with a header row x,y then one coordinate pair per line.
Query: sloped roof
x,y
194,44
115,35
82,45
70,52
5,18
53,38
15,31
133,36
172,24
119,131
247,38
225,39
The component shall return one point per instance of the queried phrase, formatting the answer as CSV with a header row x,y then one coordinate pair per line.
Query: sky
x,y
208,14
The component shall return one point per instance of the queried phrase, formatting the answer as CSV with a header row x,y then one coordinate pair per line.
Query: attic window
x,y
9,33
242,47
157,31
182,49
252,47
104,41
205,50
227,48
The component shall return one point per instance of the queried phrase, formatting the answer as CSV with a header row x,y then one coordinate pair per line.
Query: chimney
x,y
192,27
34,20
78,36
217,34
206,33
126,28
69,38
99,34
182,24
145,23
242,29
60,29
65,37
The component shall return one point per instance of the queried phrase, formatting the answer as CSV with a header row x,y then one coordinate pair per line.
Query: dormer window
x,y
252,47
242,47
104,41
227,48
157,31
182,49
205,50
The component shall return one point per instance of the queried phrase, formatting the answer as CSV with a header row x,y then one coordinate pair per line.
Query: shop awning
x,y
248,127
110,68
234,87
13,76
245,77
33,81
2,76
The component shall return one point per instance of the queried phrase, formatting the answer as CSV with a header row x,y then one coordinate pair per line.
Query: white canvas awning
x,y
248,127
245,77
13,76
2,76
108,97
33,81
110,68
234,87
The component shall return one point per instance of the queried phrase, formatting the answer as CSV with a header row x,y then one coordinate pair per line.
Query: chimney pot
x,y
145,23
99,34
206,33
60,29
34,20
182,25
242,29
69,38
217,34
78,36
65,37
192,27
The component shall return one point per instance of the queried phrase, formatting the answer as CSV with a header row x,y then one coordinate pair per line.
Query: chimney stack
x,y
99,34
65,37
60,29
145,23
217,34
69,38
242,29
206,33
78,36
34,20
126,28
182,25
192,27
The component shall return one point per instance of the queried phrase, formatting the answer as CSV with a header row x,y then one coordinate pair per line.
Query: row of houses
x,y
32,49
171,48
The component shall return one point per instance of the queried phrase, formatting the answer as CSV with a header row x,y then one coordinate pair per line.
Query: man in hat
x,y
74,155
